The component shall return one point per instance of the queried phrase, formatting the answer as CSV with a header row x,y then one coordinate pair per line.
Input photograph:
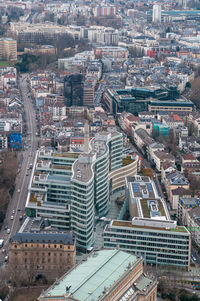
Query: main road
x,y
16,207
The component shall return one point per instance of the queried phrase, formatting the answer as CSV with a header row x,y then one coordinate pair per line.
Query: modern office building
x,y
8,49
150,234
70,188
104,275
39,249
156,13
73,87
138,99
178,105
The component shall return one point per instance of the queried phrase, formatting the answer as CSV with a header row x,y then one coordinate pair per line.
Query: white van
x,y
1,243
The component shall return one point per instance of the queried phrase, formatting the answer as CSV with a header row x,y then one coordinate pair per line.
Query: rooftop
x,y
39,230
82,171
118,223
152,208
142,187
88,280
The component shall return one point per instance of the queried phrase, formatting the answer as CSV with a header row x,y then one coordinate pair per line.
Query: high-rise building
x,y
104,276
89,93
70,188
156,13
73,87
8,49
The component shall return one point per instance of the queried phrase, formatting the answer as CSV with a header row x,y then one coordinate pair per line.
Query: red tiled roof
x,y
187,157
177,118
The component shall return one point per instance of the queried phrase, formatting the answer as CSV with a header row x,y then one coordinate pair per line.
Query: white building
x,y
156,14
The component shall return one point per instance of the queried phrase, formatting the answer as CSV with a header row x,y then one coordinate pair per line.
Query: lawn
x,y
5,63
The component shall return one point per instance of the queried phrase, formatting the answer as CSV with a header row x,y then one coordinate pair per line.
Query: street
x,y
16,207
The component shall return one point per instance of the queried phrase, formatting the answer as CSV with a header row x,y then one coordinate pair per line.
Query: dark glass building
x,y
73,87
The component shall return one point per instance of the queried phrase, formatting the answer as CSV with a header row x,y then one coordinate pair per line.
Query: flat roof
x,y
82,171
129,224
142,187
88,280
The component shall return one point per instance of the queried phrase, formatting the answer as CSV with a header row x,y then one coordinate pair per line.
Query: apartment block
x,y
104,11
8,49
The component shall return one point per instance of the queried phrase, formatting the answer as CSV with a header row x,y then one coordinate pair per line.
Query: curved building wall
x,y
82,201
117,177
116,147
82,213
101,187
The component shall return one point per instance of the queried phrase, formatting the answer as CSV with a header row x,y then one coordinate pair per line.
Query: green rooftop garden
x,y
34,196
126,161
146,211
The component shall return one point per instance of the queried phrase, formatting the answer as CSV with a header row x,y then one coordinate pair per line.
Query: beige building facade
x,y
8,49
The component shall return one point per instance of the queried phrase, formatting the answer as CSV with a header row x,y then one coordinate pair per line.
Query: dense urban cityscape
x,y
99,150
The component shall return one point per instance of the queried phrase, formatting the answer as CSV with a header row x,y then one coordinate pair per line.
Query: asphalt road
x,y
17,203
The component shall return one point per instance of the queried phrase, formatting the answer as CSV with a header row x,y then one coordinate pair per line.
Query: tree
x,y
172,142
188,85
148,172
194,183
185,296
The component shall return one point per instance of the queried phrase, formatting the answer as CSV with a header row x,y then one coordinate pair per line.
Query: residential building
x,y
175,196
102,11
104,275
42,50
153,148
190,168
142,139
8,49
194,224
185,204
156,13
126,121
173,121
167,167
3,141
160,157
88,93
38,249
188,158
111,52
175,180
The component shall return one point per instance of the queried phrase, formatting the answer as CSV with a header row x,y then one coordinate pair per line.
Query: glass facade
x,y
159,247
